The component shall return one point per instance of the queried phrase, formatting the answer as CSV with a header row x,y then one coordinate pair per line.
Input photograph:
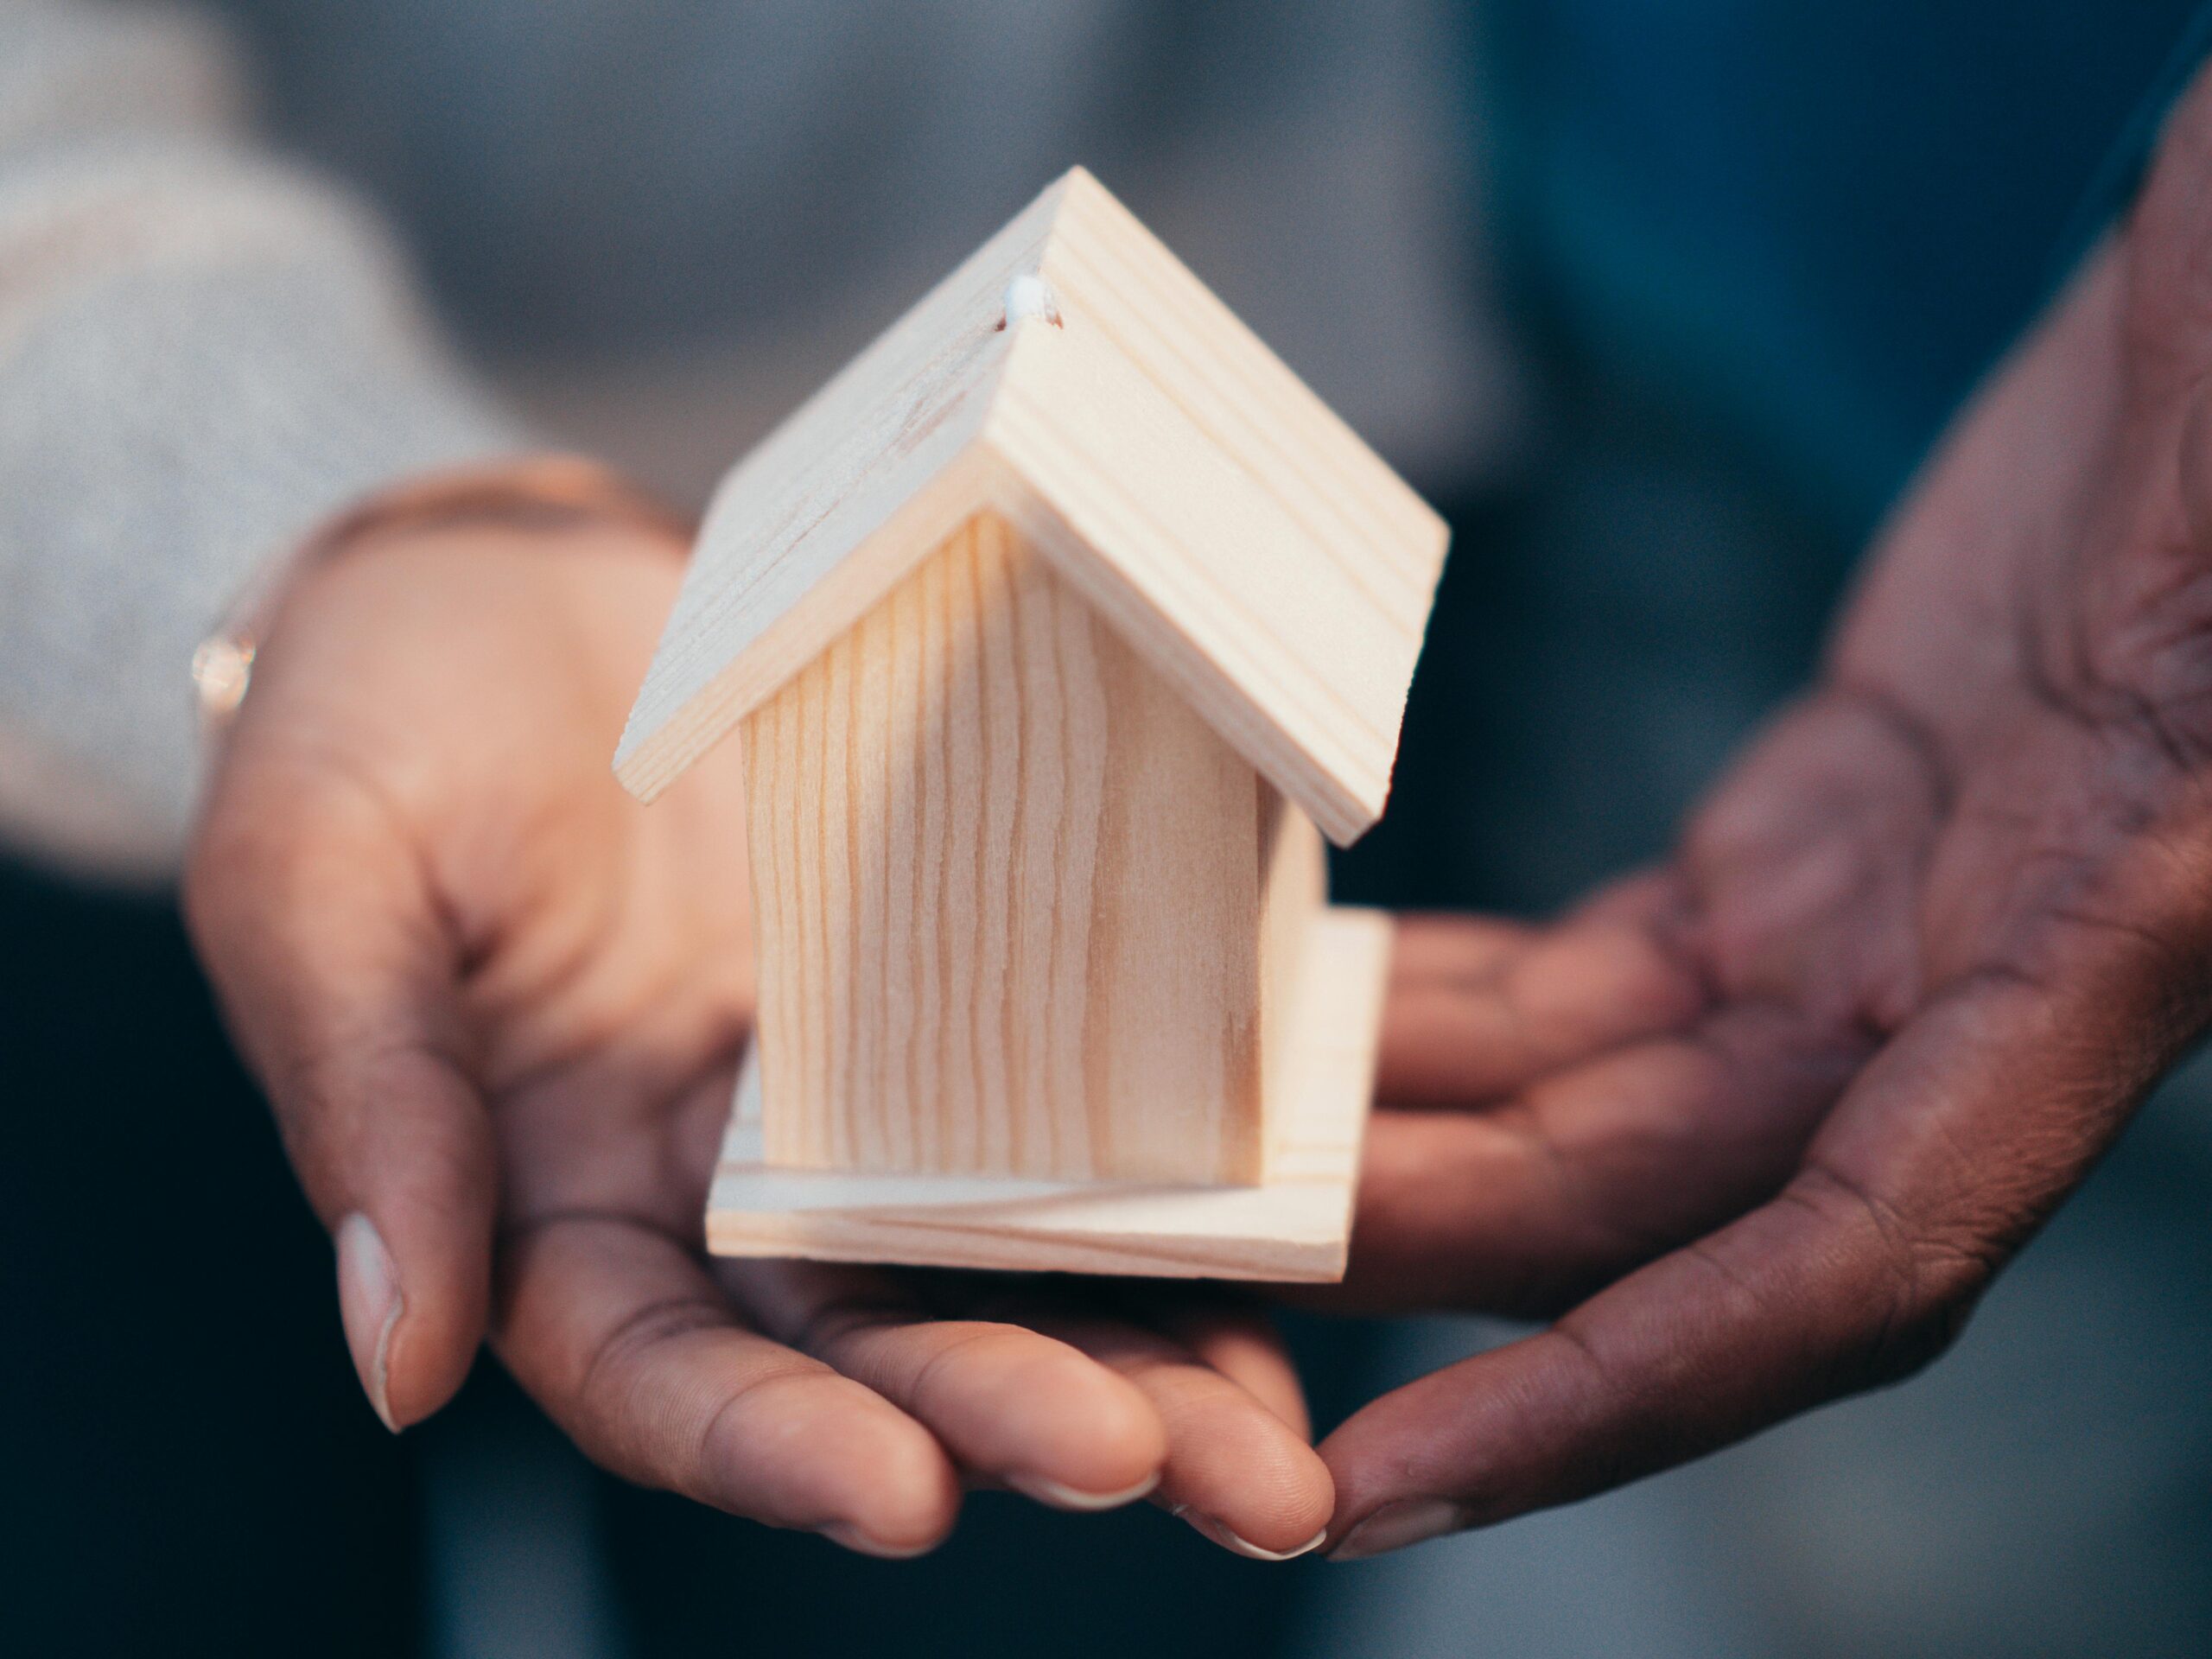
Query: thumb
x,y
315,918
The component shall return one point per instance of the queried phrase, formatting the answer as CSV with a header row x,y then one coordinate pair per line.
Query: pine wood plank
x,y
1294,1226
1260,555
1294,895
1008,894
849,494
1243,540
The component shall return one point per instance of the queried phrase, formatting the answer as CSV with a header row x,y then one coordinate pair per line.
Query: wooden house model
x,y
1057,629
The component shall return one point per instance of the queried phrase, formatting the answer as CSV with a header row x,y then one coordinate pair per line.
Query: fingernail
x,y
370,1304
852,1538
1060,1497
1408,1521
1230,1540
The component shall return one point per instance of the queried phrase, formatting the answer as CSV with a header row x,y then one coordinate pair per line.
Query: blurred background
x,y
1661,305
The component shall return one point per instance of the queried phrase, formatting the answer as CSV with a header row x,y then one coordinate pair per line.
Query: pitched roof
x,y
1246,543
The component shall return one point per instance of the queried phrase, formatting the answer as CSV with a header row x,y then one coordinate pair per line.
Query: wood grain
x,y
1238,534
1294,895
1056,641
1018,911
1294,1226
1238,537
839,502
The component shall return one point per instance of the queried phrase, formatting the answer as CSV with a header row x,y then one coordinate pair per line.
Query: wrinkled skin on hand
x,y
1757,1127
496,1005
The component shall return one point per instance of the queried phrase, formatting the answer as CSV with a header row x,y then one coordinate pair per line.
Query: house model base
x,y
1295,1225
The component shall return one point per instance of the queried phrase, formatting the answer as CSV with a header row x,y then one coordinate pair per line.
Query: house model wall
x,y
1050,630
1020,911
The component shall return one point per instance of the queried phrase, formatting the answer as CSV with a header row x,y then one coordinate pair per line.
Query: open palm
x,y
497,1006
1779,1109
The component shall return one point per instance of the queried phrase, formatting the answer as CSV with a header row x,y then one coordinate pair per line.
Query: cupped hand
x,y
496,1006
1756,1128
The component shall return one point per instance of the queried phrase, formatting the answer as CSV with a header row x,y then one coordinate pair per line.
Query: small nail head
x,y
1030,295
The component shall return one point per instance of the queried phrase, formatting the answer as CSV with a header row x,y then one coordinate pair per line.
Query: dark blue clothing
x,y
1819,223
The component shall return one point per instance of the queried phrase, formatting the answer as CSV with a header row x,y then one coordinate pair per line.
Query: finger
x,y
1478,1008
1954,1144
337,978
1008,1404
1526,1205
1237,1338
631,1347
1444,945
1234,1468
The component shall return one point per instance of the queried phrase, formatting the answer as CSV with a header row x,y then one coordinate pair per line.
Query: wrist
x,y
541,494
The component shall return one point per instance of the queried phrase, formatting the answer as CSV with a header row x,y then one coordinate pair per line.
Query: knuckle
x,y
1918,1286
610,1364
836,1324
258,864
937,1381
1934,1290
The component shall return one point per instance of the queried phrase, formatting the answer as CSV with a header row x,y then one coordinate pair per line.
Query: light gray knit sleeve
x,y
202,353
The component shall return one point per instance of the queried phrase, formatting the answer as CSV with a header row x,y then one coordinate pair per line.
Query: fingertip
x,y
1242,1479
1019,1407
1244,1345
428,1357
862,1544
413,1334
1074,1435
1398,1525
1231,1465
370,1307
1082,1501
1277,1507
908,1499
890,1490
428,1183
1236,1545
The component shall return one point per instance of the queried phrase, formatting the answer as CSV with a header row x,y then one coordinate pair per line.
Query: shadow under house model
x,y
1052,629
